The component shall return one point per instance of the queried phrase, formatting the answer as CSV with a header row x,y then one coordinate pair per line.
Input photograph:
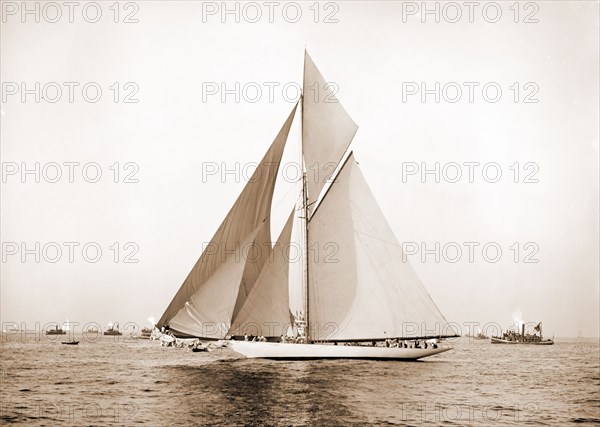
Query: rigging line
x,y
281,199
379,238
322,198
336,172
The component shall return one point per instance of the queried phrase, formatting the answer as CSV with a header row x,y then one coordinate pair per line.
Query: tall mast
x,y
306,255
304,205
305,214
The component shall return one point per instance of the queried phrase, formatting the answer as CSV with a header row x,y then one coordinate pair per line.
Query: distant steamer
x,y
512,337
113,330
56,331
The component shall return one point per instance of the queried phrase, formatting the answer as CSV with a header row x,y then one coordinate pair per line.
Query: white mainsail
x,y
327,129
359,286
266,309
217,285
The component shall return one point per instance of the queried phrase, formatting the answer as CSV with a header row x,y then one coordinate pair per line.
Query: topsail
x,y
327,129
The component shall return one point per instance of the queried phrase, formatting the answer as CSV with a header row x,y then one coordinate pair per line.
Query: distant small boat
x,y
70,342
146,333
199,349
513,337
480,336
56,331
113,330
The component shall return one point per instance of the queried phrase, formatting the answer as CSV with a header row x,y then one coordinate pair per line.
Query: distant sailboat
x,y
365,302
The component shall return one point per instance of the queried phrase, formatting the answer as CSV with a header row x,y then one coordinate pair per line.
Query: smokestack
x,y
523,331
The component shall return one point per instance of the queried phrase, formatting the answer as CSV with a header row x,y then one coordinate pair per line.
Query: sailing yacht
x,y
364,302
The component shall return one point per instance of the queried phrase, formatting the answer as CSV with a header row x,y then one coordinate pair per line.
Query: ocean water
x,y
119,381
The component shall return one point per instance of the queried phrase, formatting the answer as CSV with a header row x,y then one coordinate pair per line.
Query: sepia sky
x,y
540,132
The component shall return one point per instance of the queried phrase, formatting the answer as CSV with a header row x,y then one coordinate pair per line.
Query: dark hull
x,y
501,341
